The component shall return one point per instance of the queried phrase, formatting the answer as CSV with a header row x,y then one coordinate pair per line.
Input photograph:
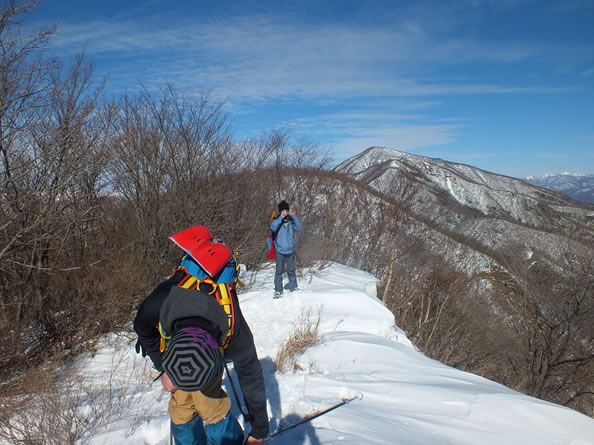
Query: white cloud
x,y
264,56
393,76
406,138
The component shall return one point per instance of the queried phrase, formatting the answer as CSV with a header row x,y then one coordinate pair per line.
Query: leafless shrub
x,y
427,301
59,405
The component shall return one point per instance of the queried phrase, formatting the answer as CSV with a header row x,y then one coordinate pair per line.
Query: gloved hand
x,y
140,348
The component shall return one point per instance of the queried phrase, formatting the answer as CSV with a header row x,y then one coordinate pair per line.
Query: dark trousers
x,y
281,260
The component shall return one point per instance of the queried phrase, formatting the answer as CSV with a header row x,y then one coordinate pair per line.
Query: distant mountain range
x,y
579,187
478,220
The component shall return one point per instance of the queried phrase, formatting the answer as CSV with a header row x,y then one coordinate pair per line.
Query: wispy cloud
x,y
407,138
425,76
261,56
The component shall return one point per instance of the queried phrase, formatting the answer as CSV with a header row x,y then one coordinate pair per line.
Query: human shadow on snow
x,y
301,435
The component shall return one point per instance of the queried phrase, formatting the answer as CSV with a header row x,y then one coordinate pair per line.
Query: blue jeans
x,y
281,260
224,432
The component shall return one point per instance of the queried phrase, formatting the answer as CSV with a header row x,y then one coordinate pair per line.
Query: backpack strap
x,y
224,294
189,282
273,233
164,339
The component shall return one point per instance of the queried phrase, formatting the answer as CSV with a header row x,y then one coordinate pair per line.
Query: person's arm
x,y
296,222
149,339
254,392
146,325
242,352
251,379
276,222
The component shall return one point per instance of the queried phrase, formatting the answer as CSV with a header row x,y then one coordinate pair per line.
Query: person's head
x,y
192,359
283,205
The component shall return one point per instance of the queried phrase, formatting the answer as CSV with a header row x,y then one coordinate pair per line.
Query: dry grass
x,y
305,335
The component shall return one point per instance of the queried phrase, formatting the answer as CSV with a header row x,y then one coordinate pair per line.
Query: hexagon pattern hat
x,y
192,359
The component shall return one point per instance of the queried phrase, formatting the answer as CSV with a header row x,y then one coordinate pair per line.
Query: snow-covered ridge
x,y
488,213
469,185
370,158
402,397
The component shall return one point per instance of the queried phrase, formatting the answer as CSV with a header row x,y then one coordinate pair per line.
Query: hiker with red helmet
x,y
189,326
284,225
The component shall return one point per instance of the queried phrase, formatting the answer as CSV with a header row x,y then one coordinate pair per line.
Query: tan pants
x,y
212,404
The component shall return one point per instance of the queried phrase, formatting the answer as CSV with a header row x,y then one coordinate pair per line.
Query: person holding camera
x,y
284,225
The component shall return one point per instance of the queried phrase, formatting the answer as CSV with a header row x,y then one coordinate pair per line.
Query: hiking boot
x,y
278,294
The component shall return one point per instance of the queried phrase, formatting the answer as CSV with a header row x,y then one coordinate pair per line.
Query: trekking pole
x,y
246,416
310,417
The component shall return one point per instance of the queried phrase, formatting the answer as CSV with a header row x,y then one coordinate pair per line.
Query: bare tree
x,y
50,181
23,92
554,320
140,170
23,88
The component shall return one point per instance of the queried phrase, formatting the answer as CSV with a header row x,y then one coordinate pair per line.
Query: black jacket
x,y
241,349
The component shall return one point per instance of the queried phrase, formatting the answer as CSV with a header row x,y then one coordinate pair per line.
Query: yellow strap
x,y
164,338
210,281
225,301
188,284
223,298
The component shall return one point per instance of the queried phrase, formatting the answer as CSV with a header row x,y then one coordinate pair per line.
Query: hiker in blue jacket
x,y
284,225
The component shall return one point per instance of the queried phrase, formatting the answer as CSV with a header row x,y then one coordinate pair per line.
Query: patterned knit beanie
x,y
192,359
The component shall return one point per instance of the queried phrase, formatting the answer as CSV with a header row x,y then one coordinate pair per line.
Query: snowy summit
x,y
399,396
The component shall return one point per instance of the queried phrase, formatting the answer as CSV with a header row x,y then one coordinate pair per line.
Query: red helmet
x,y
210,254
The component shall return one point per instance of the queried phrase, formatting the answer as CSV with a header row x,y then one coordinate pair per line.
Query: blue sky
x,y
504,85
